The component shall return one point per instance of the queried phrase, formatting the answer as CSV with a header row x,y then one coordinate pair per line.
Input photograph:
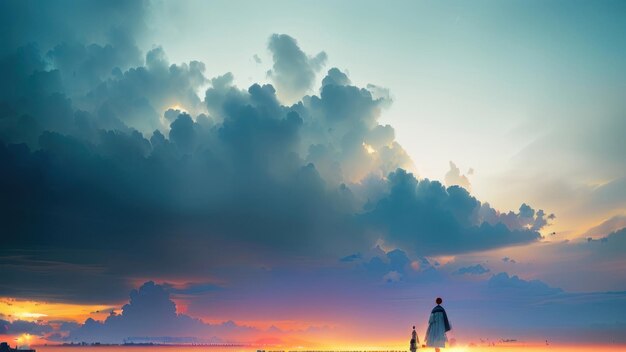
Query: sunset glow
x,y
49,311
306,176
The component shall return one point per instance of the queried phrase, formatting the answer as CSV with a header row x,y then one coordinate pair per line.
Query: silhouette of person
x,y
438,325
414,341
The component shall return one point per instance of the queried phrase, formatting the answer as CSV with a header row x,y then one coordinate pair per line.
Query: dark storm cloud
x,y
117,171
428,218
294,71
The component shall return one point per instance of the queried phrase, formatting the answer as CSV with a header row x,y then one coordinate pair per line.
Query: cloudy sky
x,y
312,172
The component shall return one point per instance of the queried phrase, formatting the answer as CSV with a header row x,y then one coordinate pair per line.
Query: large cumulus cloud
x,y
293,71
429,218
105,150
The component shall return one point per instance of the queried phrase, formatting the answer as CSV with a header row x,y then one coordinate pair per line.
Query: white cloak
x,y
436,333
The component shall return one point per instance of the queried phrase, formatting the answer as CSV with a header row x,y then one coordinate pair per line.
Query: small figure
x,y
414,340
438,325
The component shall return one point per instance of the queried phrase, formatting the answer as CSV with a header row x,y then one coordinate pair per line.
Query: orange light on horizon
x,y
23,340
29,315
17,309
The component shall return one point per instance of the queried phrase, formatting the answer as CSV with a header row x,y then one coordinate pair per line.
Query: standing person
x,y
438,325
414,340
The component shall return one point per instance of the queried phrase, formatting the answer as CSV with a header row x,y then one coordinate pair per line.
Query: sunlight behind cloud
x,y
368,148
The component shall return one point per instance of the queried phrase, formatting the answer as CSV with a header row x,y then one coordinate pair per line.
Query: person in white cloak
x,y
438,325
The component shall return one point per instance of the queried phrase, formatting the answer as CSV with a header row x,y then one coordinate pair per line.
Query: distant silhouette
x,y
438,325
4,347
414,341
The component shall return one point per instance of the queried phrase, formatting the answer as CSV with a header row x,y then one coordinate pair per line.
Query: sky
x,y
312,173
